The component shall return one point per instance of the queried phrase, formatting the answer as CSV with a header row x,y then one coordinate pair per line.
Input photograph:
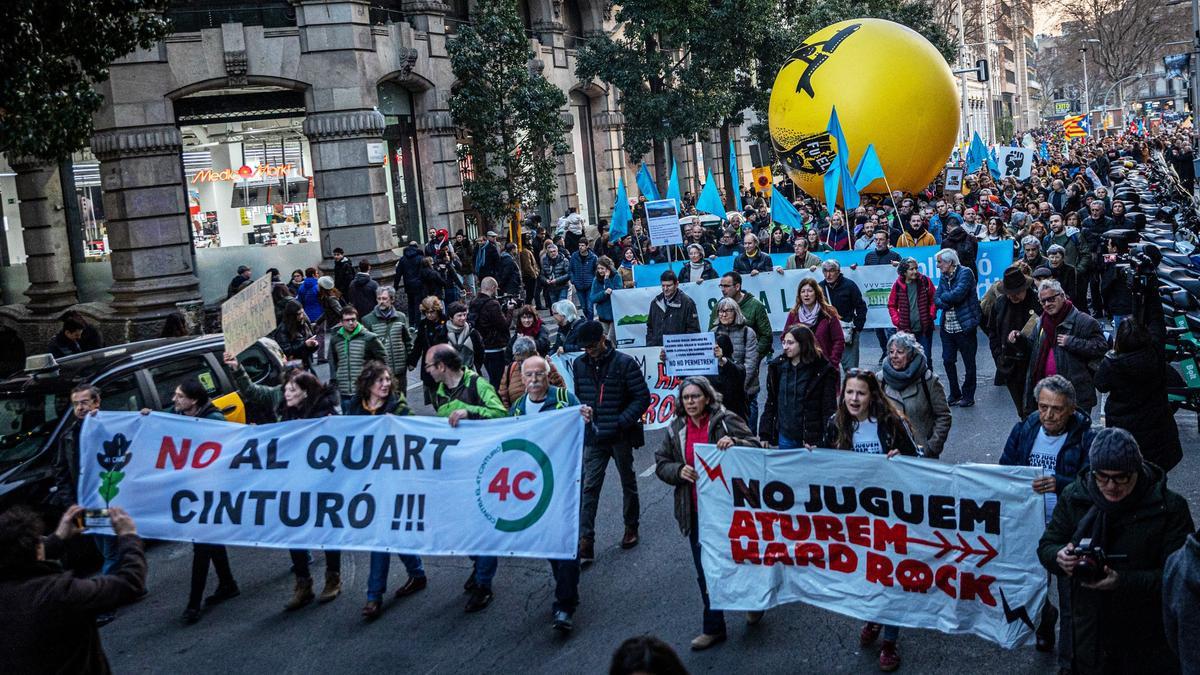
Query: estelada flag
x,y
1076,126
762,179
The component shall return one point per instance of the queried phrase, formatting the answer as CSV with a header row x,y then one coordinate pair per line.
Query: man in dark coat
x,y
408,272
49,616
611,383
363,289
1011,312
1181,604
671,313
488,318
239,279
343,272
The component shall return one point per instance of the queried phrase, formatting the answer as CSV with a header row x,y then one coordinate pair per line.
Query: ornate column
x,y
439,169
44,231
153,263
609,158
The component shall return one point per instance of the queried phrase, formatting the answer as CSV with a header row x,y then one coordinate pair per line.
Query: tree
x,y
52,58
512,113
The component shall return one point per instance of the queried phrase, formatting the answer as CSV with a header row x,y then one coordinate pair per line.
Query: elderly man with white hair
x,y
958,299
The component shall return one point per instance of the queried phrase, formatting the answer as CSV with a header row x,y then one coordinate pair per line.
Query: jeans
x,y
786,443
381,562
883,335
485,569
333,562
926,342
752,412
850,354
714,619
585,303
595,464
108,549
202,554
494,362
566,585
953,344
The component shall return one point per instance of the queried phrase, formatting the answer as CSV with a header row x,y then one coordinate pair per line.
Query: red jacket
x,y
828,333
898,305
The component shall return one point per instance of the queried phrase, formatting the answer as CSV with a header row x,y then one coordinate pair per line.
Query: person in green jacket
x,y
1120,504
353,346
755,313
462,394
392,328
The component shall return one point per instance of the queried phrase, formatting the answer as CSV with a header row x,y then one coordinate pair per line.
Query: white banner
x,y
690,354
389,483
777,292
904,541
1015,162
662,222
663,388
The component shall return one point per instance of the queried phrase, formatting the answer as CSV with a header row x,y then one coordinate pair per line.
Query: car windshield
x,y
26,420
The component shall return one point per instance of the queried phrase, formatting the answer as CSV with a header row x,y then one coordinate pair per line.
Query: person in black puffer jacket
x,y
1134,374
801,392
305,398
612,384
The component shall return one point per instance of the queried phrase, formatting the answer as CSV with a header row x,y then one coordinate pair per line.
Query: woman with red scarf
x,y
1065,342
527,322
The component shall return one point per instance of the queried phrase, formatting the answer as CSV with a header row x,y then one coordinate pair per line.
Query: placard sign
x,y
662,221
690,354
954,180
248,315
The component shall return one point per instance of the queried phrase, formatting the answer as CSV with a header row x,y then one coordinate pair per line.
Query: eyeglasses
x,y
692,397
726,285
1119,479
1049,300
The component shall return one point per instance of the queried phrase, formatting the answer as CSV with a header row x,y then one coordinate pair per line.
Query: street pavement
x,y
649,589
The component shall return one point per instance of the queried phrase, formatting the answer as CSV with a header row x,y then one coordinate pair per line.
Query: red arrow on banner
x,y
964,548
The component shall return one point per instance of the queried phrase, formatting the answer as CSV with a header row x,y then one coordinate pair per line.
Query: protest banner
x,y
407,484
663,388
690,354
1015,162
662,222
248,315
954,180
903,541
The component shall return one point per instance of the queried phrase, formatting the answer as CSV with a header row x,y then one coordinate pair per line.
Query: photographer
x,y
1118,297
49,616
1110,534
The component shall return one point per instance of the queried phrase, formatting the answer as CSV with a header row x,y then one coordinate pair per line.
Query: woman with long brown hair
x,y
813,311
801,392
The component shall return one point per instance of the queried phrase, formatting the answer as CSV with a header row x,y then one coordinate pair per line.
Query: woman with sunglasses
x,y
867,422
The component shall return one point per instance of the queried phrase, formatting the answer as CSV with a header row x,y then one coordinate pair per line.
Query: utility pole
x,y
1195,77
1087,101
962,55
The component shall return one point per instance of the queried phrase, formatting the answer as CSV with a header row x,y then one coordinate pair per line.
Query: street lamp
x,y
1113,87
1087,101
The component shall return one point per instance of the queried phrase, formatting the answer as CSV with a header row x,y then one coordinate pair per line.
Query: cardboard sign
x,y
690,354
248,315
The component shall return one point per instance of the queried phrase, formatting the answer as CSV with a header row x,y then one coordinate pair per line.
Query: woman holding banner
x,y
628,261
375,394
697,268
813,311
815,244
731,323
866,421
801,392
700,419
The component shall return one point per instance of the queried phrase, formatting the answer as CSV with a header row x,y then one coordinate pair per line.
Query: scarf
x,y
389,314
697,269
808,317
626,264
1094,523
532,331
459,337
903,379
1050,324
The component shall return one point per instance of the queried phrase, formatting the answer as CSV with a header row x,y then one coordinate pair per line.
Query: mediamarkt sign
x,y
244,173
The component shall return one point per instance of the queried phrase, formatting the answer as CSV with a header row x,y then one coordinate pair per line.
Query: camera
x,y
1137,260
1092,561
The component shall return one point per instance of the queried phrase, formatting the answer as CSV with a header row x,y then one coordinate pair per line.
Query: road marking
x,y
649,470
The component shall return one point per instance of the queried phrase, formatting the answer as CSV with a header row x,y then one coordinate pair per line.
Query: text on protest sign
x,y
248,315
663,387
387,483
662,222
905,541
690,354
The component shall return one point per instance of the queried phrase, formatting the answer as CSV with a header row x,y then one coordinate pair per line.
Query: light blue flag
x,y
733,173
710,198
832,177
784,213
849,192
621,216
673,187
978,154
868,169
645,183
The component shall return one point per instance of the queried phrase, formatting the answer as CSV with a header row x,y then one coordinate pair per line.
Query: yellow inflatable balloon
x,y
891,88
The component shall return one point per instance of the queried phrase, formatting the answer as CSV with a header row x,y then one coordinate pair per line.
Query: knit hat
x,y
1114,449
326,283
1043,273
590,333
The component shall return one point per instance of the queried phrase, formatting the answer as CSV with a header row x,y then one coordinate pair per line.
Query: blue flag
x,y
733,174
1044,151
710,198
832,178
673,187
869,169
783,213
978,154
645,183
846,177
621,216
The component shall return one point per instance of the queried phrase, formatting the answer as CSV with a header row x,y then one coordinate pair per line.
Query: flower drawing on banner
x,y
115,457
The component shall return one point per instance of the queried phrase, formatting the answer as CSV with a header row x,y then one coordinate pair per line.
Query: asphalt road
x,y
649,589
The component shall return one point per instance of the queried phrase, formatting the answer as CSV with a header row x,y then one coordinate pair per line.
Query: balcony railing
x,y
192,17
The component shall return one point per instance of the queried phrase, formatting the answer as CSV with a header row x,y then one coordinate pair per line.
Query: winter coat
x,y
760,262
745,352
293,346
428,334
908,239
1072,457
1085,345
474,394
890,438
924,404
957,292
396,404
467,343
343,274
510,276
567,337
888,257
527,262
349,353
1074,255
408,270
806,415
512,387
323,405
614,387
687,275
556,271
899,310
541,338
485,314
308,295
601,301
1069,278
1181,604
676,316
810,261
487,261
729,382
828,333
432,283
1012,359
1121,630
362,293
965,245
847,298
1138,403
582,270
670,458
49,616
396,336
756,318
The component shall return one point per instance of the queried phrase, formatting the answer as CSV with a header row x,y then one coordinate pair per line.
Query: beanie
x,y
326,283
1115,449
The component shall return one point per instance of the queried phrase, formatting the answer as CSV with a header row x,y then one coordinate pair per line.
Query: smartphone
x,y
90,518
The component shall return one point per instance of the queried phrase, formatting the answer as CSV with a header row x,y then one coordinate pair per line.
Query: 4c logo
x,y
505,483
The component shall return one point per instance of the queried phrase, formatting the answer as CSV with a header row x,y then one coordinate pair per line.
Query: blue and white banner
x,y
903,541
505,487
